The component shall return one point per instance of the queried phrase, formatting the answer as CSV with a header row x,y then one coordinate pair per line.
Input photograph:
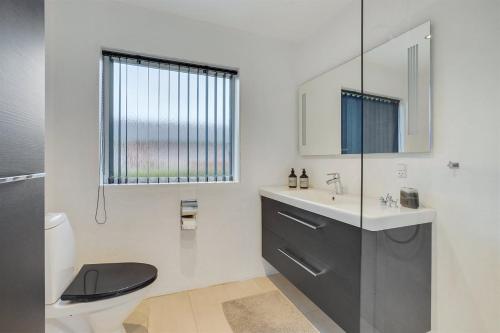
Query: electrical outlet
x,y
402,170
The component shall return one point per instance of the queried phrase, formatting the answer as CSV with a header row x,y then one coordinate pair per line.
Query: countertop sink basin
x,y
347,208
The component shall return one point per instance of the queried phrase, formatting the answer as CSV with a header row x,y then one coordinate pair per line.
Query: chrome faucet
x,y
335,180
388,201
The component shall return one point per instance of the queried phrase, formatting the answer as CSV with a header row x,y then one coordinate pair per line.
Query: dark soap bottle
x,y
304,180
292,179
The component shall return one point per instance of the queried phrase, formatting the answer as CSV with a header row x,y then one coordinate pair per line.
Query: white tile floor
x,y
200,310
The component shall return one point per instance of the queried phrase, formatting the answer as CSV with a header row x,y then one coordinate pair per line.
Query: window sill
x,y
172,184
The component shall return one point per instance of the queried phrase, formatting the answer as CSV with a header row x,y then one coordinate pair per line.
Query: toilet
x,y
95,299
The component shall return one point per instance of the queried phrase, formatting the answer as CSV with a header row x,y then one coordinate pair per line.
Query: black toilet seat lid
x,y
100,281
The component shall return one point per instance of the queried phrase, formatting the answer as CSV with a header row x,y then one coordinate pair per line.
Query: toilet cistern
x,y
335,180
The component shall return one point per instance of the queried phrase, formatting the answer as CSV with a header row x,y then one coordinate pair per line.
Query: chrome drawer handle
x,y
297,261
309,225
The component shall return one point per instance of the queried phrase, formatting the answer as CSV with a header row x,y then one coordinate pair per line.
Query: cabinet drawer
x,y
333,244
288,259
335,295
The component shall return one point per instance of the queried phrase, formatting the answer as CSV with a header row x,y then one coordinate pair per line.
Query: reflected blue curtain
x,y
380,126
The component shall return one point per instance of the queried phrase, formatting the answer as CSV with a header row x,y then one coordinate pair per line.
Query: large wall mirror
x,y
396,101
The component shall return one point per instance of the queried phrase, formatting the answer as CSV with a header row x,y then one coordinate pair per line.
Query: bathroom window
x,y
380,125
167,121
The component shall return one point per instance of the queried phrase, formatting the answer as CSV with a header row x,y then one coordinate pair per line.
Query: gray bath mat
x,y
266,313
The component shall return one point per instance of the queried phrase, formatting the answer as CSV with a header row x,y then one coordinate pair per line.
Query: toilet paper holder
x,y
189,210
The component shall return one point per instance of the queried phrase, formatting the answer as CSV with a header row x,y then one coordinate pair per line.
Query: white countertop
x,y
347,208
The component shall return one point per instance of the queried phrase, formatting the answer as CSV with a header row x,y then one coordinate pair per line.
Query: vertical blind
x,y
380,123
167,121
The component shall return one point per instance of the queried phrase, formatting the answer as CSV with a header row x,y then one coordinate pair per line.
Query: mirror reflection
x,y
393,113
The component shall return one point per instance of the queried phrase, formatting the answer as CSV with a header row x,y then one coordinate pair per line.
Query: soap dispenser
x,y
292,179
304,180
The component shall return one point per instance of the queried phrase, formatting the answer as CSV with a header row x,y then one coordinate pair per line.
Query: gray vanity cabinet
x,y
365,281
396,280
318,255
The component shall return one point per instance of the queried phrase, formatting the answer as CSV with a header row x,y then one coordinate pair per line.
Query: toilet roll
x,y
189,210
188,223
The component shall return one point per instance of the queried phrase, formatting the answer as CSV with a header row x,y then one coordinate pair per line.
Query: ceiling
x,y
290,20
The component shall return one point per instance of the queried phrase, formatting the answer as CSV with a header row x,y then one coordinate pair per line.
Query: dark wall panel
x,y
22,257
22,103
22,86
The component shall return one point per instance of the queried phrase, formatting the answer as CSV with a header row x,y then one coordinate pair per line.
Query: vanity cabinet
x,y
364,280
319,255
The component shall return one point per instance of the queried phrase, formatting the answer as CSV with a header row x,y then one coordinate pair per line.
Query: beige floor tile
x,y
207,309
140,316
200,310
134,328
213,294
171,314
241,289
265,284
138,320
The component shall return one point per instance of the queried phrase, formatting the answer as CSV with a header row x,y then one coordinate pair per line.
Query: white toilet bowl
x,y
97,298
105,316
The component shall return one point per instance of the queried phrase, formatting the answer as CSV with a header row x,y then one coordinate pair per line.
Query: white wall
x,y
466,81
144,220
143,223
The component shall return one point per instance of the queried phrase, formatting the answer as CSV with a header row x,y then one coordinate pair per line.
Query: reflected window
x,y
167,121
380,123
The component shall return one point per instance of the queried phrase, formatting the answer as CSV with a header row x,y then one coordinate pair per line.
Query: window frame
x,y
106,108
